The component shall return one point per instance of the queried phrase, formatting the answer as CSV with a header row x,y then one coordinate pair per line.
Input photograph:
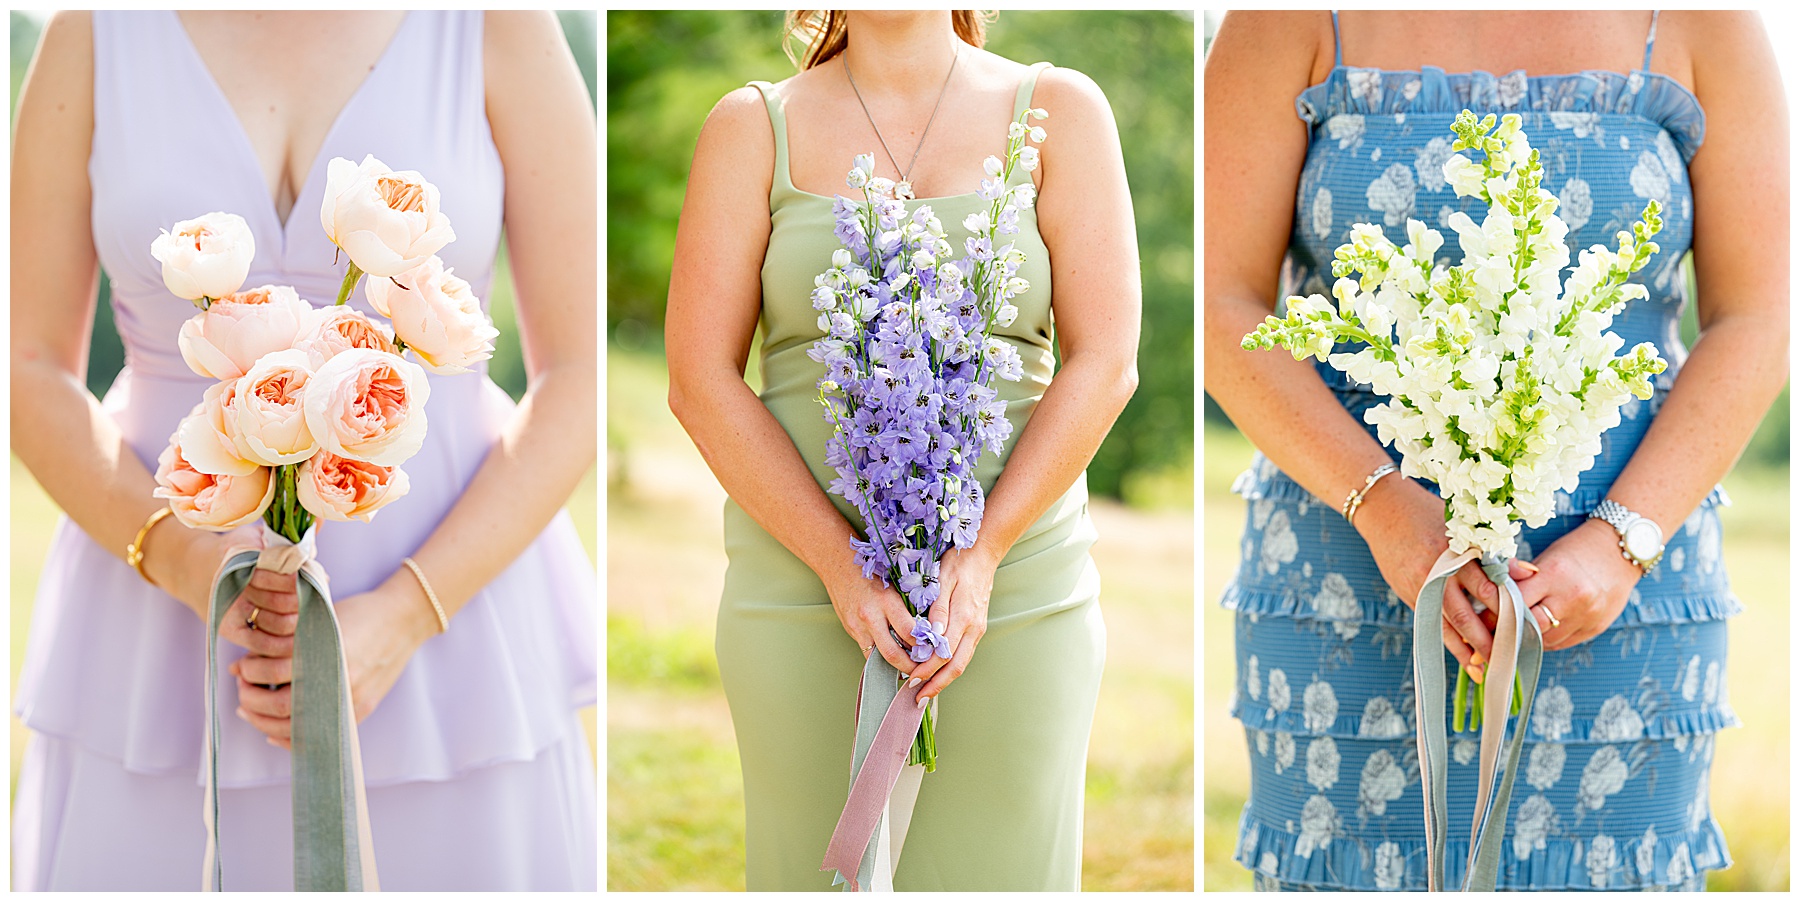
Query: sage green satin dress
x,y
1003,809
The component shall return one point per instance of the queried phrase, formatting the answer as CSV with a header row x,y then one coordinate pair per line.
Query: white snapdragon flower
x,y
1501,375
1466,178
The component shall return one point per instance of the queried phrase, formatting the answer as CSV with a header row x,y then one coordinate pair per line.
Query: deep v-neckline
x,y
272,216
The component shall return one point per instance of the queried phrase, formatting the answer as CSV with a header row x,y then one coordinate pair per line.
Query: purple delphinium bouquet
x,y
910,362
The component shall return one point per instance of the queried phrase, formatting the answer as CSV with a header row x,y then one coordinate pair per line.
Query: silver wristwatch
x,y
1640,539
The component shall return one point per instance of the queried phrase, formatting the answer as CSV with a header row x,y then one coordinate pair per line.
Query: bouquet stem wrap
x,y
865,846
333,848
1518,650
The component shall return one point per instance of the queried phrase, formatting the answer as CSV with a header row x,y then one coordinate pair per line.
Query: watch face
x,y
1643,540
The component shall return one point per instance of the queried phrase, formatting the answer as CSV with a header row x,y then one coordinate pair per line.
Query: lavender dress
x,y
478,770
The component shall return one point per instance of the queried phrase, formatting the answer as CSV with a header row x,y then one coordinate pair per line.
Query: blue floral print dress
x,y
1613,792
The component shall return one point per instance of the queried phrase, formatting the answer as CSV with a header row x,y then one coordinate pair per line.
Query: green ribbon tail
x,y
333,848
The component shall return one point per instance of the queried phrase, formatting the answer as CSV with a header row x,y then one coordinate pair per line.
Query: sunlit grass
x,y
675,793
1750,770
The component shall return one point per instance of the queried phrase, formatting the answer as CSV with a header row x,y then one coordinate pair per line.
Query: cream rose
x,y
205,257
338,488
387,221
268,424
368,406
331,331
215,502
437,315
208,435
226,339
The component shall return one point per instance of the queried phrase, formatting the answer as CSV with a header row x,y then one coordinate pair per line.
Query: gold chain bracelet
x,y
443,620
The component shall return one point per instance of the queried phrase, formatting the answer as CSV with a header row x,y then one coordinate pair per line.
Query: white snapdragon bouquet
x,y
1500,374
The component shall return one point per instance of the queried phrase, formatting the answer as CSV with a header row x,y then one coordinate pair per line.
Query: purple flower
x,y
909,360
930,642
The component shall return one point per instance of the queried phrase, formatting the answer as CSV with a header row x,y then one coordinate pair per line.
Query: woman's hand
x,y
966,581
381,629
872,613
1404,526
1583,580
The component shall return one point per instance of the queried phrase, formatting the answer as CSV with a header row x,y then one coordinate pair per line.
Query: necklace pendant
x,y
903,190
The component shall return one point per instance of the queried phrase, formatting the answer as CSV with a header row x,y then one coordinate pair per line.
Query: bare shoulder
x,y
529,31
736,149
740,121
1720,45
70,25
1714,30
1072,96
1300,46
67,45
59,88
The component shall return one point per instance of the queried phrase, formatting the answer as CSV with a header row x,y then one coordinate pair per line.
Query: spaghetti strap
x,y
778,122
1337,42
1650,42
1026,87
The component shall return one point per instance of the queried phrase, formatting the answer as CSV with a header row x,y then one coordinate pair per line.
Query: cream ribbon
x,y
1518,649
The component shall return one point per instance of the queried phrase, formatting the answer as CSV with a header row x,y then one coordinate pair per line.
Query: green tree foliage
x,y
665,70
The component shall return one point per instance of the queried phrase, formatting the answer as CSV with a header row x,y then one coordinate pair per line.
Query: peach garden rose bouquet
x,y
312,415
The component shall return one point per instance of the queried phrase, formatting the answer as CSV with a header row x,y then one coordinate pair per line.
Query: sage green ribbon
x,y
333,849
1518,648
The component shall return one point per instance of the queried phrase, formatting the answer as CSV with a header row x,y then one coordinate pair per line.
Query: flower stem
x,y
351,276
1460,705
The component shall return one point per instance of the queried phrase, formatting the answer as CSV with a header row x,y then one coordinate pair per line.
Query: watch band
x,y
1621,519
1615,514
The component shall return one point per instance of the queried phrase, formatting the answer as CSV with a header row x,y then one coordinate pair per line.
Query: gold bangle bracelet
x,y
443,621
134,552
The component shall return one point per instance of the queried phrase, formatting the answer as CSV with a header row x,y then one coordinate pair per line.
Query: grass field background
x,y
34,517
674,790
1750,770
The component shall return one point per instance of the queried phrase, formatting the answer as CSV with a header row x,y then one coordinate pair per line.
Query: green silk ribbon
x,y
1518,649
333,849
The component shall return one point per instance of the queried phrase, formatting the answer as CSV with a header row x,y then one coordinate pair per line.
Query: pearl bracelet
x,y
1355,498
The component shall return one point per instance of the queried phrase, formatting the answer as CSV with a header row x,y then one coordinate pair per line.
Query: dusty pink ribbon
x,y
873,784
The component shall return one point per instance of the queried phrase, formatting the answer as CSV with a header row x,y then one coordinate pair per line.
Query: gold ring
x,y
1554,623
250,621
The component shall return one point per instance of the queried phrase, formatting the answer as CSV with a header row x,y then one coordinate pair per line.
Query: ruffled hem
x,y
1672,725
1652,96
1560,864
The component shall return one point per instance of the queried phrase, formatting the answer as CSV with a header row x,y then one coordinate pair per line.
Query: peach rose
x,y
338,488
266,419
208,435
224,340
437,316
368,406
205,257
215,502
332,330
387,221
